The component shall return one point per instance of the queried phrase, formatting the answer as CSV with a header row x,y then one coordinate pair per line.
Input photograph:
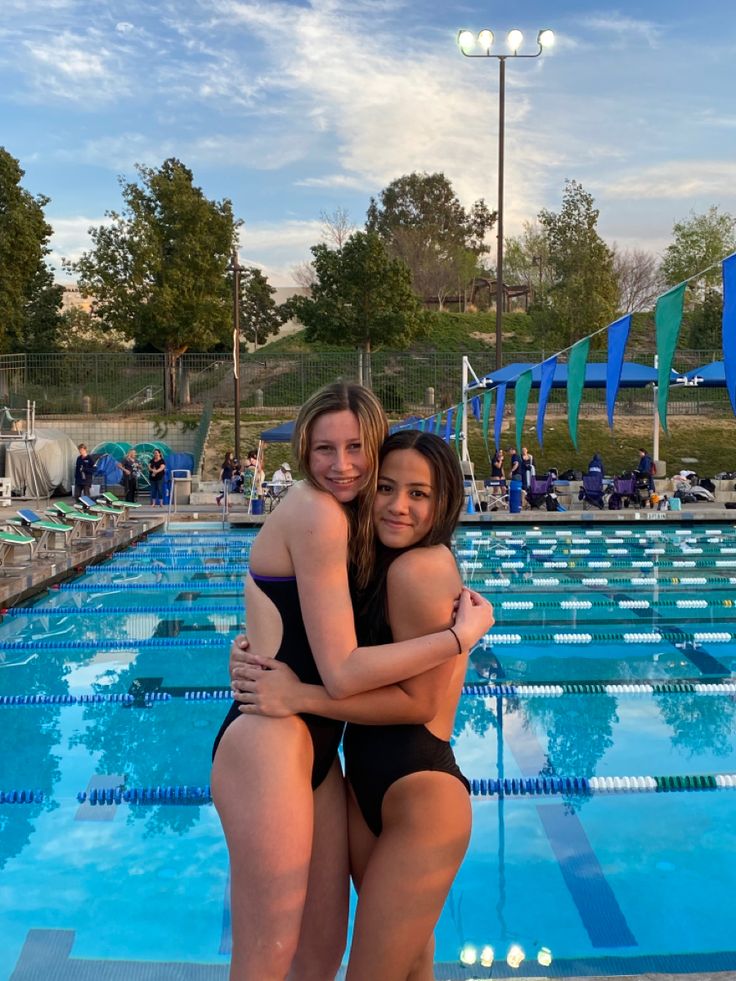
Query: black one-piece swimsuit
x,y
296,652
378,756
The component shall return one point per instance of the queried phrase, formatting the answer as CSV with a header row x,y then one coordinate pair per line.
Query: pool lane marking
x,y
594,899
90,812
586,882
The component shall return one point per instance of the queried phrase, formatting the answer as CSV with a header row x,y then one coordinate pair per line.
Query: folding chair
x,y
496,493
42,529
538,490
591,493
625,487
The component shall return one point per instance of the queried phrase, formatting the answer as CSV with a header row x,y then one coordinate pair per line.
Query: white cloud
x,y
69,240
684,179
621,28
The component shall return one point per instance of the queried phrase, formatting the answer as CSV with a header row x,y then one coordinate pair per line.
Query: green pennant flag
x,y
667,321
459,425
487,403
576,362
521,400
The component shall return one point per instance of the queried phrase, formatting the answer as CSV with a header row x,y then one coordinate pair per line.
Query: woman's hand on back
x,y
271,689
237,662
473,618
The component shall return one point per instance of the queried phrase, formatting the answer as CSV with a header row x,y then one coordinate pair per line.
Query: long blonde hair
x,y
339,397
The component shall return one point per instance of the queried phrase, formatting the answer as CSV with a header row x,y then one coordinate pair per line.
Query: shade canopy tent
x,y
711,375
633,375
279,434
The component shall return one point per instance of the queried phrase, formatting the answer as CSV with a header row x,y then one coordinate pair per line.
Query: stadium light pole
x,y
479,46
236,269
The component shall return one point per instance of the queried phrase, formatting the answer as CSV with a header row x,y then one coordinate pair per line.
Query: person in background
x,y
282,477
645,468
253,475
526,468
497,465
156,475
131,469
515,472
226,476
596,465
83,470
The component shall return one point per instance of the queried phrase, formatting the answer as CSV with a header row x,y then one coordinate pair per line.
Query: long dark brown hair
x,y
448,494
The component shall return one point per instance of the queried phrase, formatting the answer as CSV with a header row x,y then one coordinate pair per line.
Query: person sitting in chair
x,y
645,468
282,478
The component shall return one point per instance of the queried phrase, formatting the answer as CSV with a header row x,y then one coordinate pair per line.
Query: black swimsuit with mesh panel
x,y
377,756
296,652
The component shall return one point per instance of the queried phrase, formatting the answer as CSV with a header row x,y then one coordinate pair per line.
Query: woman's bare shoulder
x,y
434,564
308,509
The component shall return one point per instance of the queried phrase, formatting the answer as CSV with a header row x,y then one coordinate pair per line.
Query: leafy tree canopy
x,y
584,291
362,296
29,300
422,222
260,317
158,270
699,243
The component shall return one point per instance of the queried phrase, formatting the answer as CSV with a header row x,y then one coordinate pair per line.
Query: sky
x,y
294,108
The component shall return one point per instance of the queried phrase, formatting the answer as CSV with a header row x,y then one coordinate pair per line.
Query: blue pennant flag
x,y
448,424
548,373
618,335
729,326
498,422
475,407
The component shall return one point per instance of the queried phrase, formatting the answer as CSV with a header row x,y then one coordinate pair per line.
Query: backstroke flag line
x,y
521,400
576,361
545,386
618,335
667,321
729,326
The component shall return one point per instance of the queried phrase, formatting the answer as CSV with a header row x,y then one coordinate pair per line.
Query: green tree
x,y
584,292
29,302
260,317
699,244
422,222
362,297
42,320
526,260
158,270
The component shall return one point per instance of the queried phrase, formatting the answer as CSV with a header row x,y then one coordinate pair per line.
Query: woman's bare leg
x,y
324,926
426,829
261,786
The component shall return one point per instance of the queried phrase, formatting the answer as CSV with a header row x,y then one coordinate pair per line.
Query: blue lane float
x,y
116,645
21,796
178,794
30,611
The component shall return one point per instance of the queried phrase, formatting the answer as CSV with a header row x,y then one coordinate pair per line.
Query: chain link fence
x,y
117,384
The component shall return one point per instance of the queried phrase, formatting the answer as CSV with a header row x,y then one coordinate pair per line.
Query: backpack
x,y
614,502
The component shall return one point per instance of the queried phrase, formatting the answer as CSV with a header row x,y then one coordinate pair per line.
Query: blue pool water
x,y
613,657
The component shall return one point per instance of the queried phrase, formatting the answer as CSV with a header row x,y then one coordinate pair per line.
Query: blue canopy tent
x,y
711,375
279,434
633,375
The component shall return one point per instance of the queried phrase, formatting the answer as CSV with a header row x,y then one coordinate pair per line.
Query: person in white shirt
x,y
282,476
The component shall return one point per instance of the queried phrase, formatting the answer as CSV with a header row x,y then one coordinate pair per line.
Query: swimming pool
x,y
598,726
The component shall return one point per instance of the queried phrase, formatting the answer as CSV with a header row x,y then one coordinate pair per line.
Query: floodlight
x,y
514,40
